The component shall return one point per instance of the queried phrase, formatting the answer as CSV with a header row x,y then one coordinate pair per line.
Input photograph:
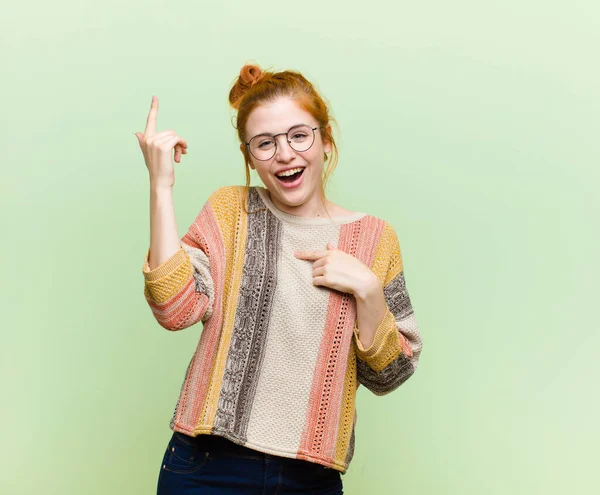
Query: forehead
x,y
276,116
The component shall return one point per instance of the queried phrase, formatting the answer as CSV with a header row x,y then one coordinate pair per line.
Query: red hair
x,y
254,86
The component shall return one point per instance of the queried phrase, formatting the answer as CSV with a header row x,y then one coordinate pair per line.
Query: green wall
x,y
472,127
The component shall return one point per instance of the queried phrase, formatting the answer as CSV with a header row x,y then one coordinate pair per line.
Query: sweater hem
x,y
302,454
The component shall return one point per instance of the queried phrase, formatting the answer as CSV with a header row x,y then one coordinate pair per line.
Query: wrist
x,y
160,189
368,289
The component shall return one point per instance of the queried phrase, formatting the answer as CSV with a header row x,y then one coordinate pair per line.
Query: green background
x,y
472,127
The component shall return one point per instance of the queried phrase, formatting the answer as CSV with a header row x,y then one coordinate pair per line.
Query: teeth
x,y
289,172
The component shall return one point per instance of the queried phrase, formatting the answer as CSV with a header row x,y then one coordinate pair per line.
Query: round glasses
x,y
263,146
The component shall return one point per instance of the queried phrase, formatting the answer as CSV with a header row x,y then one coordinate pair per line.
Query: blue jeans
x,y
210,464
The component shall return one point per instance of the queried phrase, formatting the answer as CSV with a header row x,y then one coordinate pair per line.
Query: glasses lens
x,y
262,147
301,138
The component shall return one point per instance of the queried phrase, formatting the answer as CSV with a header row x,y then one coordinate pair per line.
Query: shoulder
x,y
384,230
226,192
392,252
227,197
220,213
387,246
388,238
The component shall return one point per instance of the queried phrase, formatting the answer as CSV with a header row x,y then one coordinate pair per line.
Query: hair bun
x,y
250,74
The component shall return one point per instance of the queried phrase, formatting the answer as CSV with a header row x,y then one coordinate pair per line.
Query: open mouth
x,y
291,180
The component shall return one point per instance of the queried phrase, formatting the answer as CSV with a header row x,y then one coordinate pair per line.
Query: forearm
x,y
371,307
164,236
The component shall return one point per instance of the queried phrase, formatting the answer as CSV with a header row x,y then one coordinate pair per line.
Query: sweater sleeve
x,y
393,356
181,291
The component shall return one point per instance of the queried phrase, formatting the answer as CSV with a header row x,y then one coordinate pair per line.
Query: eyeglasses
x,y
300,138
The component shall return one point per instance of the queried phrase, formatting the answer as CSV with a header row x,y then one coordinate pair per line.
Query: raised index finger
x,y
151,122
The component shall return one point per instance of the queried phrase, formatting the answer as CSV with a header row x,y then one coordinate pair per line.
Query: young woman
x,y
301,301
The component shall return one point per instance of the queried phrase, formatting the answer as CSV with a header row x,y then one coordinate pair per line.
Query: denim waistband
x,y
218,443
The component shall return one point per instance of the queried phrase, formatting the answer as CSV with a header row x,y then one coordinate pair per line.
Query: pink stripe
x,y
359,239
176,310
205,231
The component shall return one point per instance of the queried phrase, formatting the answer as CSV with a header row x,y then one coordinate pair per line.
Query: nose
x,y
284,152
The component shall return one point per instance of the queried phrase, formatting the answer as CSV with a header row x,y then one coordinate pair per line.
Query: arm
x,y
164,239
386,334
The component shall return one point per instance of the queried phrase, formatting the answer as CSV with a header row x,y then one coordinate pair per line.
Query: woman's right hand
x,y
157,148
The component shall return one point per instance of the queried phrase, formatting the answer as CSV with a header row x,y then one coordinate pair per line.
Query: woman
x,y
301,301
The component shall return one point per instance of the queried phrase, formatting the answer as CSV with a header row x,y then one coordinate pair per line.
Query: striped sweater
x,y
278,361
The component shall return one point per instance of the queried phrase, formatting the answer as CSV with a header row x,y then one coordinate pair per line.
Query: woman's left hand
x,y
339,270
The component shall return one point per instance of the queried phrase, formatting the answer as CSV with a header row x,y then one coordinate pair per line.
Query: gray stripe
x,y
401,369
251,321
397,298
202,276
389,378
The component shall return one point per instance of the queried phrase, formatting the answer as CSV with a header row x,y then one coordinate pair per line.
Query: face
x,y
277,117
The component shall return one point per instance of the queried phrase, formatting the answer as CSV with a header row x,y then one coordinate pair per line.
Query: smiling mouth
x,y
290,178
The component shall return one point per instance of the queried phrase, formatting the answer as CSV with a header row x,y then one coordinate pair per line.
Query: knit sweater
x,y
278,361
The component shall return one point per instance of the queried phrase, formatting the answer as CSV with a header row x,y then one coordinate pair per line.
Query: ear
x,y
242,150
327,144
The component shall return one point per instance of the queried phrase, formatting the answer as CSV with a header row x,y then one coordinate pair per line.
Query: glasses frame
x,y
276,145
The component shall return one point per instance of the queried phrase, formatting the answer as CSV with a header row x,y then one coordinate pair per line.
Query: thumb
x,y
139,136
330,246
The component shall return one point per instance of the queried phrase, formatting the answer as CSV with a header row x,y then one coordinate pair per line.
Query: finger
x,y
310,255
169,132
151,121
172,141
318,263
165,136
318,271
169,144
178,153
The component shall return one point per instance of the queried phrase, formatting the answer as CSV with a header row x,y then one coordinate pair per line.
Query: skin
x,y
343,272
332,267
275,117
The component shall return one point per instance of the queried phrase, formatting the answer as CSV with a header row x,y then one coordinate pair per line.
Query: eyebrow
x,y
270,134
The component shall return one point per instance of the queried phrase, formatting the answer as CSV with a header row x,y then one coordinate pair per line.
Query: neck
x,y
319,214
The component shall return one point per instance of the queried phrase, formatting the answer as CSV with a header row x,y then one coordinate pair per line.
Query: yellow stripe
x,y
222,205
347,411
179,269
